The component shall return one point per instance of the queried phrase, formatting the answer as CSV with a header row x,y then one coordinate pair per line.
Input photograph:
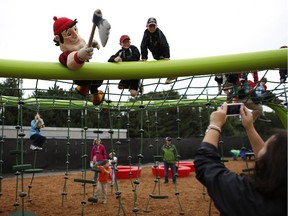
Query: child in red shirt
x,y
104,175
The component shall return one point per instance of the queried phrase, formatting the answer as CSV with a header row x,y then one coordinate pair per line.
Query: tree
x,y
54,92
11,87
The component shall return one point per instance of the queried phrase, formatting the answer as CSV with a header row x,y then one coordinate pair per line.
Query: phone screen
x,y
233,109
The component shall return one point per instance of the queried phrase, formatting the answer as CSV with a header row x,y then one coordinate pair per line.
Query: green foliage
x,y
10,87
56,92
164,95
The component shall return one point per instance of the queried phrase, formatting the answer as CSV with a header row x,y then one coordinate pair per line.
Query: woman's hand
x,y
217,120
218,117
247,118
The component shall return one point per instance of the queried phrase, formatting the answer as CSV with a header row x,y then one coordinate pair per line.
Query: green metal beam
x,y
281,112
48,104
262,60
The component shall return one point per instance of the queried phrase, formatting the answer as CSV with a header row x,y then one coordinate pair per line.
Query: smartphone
x,y
233,109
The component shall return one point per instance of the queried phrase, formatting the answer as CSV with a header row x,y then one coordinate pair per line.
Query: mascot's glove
x,y
85,53
95,44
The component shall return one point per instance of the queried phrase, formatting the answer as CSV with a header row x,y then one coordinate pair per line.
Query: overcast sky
x,y
193,28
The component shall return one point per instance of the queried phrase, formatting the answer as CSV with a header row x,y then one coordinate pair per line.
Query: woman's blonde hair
x,y
97,140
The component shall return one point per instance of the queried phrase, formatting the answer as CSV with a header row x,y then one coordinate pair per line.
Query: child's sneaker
x,y
133,92
32,147
264,118
93,200
82,90
104,202
98,98
170,80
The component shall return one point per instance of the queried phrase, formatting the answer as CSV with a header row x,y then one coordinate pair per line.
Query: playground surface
x,y
47,199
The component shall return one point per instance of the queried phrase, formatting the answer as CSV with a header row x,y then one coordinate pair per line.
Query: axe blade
x,y
104,31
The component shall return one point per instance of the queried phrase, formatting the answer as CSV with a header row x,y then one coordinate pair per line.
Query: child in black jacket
x,y
155,41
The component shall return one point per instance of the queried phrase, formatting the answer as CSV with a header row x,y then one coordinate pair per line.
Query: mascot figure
x,y
75,51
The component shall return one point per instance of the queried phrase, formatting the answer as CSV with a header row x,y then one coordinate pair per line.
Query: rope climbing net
x,y
190,91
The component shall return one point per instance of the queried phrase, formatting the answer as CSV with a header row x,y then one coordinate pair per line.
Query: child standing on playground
x,y
112,163
104,175
155,41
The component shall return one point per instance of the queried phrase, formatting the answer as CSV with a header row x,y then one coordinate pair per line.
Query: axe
x,y
103,26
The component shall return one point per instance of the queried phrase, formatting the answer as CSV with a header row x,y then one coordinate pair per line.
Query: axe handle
x,y
92,35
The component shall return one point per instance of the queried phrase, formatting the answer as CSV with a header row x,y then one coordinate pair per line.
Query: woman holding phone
x,y
264,192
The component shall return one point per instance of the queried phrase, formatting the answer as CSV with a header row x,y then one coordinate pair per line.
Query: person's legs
x,y
98,189
123,84
33,137
257,109
173,169
82,87
42,140
38,141
32,146
104,192
112,175
166,167
98,95
94,85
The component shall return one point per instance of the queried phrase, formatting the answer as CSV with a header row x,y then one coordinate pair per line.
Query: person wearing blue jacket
x,y
38,140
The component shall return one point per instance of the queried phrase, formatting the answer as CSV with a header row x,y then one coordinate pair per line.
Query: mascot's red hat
x,y
61,24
